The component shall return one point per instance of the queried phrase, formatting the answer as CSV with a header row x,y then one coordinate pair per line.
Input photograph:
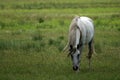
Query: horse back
x,y
87,28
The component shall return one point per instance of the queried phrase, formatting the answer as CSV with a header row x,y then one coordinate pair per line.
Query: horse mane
x,y
74,23
72,31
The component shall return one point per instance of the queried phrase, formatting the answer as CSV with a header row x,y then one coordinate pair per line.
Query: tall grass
x,y
21,45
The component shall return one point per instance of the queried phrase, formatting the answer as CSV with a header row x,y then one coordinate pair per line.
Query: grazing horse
x,y
81,32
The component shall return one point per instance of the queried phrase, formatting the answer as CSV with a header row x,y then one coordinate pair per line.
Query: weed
x,y
51,42
61,37
118,29
41,20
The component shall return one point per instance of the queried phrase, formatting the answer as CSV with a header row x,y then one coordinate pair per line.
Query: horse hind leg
x,y
91,49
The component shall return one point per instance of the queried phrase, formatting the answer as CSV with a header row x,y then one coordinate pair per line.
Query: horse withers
x,y
81,32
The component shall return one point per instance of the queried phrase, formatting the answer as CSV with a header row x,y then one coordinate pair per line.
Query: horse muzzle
x,y
75,68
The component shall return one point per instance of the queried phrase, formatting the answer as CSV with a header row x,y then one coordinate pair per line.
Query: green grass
x,y
17,4
33,34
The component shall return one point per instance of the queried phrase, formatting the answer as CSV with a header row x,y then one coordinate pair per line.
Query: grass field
x,y
33,34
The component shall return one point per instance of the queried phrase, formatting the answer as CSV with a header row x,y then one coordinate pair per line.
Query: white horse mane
x,y
72,32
